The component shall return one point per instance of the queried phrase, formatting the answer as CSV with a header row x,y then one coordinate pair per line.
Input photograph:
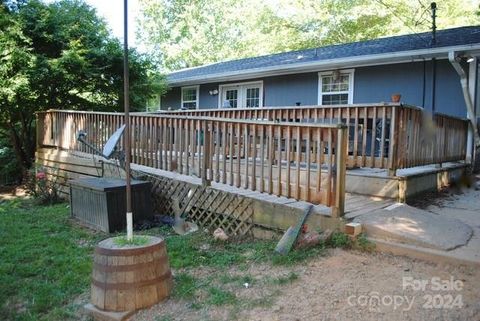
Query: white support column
x,y
472,87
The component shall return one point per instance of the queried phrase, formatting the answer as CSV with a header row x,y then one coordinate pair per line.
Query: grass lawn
x,y
46,260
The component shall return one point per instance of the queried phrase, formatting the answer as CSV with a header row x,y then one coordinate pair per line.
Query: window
x,y
190,97
231,95
241,95
335,87
253,97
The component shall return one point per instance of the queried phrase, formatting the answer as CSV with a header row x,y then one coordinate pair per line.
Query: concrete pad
x,y
413,226
101,315
425,254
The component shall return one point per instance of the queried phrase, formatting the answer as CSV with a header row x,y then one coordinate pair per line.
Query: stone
x,y
220,235
308,239
101,315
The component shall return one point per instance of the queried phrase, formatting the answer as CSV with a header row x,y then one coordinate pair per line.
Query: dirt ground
x,y
11,192
345,285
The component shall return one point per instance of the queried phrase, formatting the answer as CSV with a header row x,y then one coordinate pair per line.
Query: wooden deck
x,y
298,153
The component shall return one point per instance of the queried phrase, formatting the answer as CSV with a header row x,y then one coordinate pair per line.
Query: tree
x,y
186,33
60,55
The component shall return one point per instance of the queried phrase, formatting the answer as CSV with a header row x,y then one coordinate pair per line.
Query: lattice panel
x,y
208,207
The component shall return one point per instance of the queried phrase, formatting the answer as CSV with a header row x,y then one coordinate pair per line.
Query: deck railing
x,y
390,135
305,161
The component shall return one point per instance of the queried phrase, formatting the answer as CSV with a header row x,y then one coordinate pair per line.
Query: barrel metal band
x,y
128,267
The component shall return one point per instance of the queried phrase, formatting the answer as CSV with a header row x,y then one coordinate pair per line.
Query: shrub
x,y
10,171
43,186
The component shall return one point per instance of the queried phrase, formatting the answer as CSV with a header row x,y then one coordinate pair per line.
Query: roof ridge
x,y
426,33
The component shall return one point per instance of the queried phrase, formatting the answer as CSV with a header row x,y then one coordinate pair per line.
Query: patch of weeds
x,y
341,240
135,241
195,306
297,256
237,279
282,280
185,286
364,244
223,258
218,296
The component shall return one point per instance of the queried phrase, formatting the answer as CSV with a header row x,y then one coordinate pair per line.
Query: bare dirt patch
x,y
333,287
11,192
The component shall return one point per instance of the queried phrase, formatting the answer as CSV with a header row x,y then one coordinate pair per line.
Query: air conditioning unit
x,y
100,203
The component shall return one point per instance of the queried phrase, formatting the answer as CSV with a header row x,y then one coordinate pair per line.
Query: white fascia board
x,y
318,65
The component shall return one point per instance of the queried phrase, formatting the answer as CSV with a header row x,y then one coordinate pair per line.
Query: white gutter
x,y
317,65
455,61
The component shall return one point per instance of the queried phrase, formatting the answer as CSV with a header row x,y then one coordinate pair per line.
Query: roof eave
x,y
347,62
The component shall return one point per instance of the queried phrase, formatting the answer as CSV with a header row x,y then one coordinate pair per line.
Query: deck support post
x,y
341,168
39,129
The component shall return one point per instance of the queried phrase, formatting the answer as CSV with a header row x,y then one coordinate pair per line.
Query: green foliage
x,y
340,240
10,171
60,55
45,262
218,296
364,244
282,280
190,33
237,279
185,286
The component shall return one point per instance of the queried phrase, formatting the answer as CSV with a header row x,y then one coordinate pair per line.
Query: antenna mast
x,y
127,122
433,7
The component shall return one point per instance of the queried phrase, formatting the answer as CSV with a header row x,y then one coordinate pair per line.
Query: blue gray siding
x,y
290,89
172,99
372,84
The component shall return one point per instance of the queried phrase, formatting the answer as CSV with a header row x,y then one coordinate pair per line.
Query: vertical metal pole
x,y
433,8
127,122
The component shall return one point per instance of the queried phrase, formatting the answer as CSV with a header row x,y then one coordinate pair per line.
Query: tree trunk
x,y
22,158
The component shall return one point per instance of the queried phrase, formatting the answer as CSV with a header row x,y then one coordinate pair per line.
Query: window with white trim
x,y
190,97
335,87
241,95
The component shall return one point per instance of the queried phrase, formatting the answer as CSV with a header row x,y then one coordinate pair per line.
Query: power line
x,y
414,33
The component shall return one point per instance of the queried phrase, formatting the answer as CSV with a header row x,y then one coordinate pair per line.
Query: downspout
x,y
454,60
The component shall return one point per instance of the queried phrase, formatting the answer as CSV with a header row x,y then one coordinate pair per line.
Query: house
x,y
416,66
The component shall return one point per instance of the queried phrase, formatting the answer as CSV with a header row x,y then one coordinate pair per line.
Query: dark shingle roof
x,y
445,38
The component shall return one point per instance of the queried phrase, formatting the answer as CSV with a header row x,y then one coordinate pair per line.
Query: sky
x,y
112,11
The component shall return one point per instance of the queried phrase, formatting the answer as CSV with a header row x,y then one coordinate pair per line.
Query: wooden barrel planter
x,y
130,278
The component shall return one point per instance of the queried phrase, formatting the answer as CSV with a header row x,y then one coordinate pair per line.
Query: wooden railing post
x,y
341,168
40,129
392,148
207,157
